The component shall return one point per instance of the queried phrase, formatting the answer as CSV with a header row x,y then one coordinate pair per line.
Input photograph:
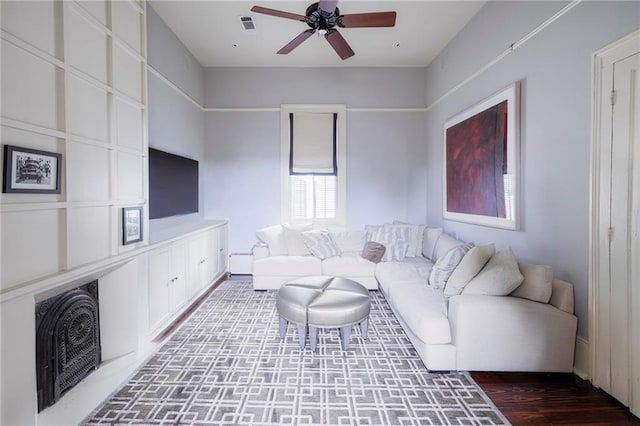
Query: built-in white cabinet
x,y
180,270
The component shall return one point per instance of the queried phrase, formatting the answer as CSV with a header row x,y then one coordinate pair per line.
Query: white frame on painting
x,y
131,225
481,185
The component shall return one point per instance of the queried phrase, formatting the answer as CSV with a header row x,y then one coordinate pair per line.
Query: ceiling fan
x,y
324,17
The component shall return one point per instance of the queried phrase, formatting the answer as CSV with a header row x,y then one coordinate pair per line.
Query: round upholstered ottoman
x,y
293,299
323,302
343,304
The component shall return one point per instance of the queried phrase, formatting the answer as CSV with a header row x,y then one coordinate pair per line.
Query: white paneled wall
x,y
73,82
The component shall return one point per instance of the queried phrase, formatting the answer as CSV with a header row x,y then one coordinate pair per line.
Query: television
x,y
173,185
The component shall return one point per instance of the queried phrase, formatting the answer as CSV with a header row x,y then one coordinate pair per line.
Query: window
x,y
313,163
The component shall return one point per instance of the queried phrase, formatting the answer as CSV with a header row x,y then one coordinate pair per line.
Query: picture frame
x,y
131,225
481,176
31,171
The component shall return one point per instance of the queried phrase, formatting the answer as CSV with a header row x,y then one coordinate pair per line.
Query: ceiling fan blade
x,y
339,44
296,42
278,13
328,6
373,19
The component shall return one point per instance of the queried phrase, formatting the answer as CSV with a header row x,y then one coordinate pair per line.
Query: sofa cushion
x,y
421,264
470,265
295,266
429,240
293,239
392,275
348,265
273,236
424,310
373,251
320,244
349,241
537,284
499,277
445,243
445,265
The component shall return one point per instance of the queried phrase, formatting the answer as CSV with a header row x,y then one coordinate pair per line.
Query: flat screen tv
x,y
173,185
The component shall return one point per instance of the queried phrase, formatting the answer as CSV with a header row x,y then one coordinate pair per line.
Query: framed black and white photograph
x,y
31,171
131,225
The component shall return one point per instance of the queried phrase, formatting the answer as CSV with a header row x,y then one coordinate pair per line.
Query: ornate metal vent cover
x,y
67,341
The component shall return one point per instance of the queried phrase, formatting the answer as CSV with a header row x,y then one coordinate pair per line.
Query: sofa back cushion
x,y
273,236
293,239
537,284
429,240
349,241
499,277
470,265
445,243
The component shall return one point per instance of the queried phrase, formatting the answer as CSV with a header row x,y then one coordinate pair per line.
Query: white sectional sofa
x,y
458,327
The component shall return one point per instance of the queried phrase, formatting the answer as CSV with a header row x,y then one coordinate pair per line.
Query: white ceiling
x,y
212,31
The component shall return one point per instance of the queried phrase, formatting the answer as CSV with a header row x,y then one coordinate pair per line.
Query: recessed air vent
x,y
247,23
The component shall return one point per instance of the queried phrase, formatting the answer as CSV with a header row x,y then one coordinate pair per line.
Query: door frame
x,y
602,74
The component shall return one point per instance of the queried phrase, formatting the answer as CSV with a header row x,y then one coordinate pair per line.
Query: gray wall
x,y
176,124
167,54
554,68
386,167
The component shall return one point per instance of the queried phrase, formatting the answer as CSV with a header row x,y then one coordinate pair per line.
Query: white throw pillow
x,y
273,236
293,239
443,268
499,277
470,265
537,284
320,244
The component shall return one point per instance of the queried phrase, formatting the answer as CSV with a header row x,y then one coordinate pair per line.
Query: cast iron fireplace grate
x,y
67,341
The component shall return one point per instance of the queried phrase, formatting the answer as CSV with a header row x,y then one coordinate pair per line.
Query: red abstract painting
x,y
476,163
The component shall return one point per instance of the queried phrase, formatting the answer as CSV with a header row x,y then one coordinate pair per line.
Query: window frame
x,y
341,159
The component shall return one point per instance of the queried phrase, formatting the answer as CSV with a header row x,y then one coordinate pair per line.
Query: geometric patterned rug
x,y
225,365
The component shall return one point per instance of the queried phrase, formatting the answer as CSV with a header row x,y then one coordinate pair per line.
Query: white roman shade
x,y
312,143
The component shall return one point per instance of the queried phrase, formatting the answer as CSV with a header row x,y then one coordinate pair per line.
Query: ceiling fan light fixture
x,y
323,17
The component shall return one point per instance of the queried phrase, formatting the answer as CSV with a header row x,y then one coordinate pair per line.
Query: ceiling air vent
x,y
247,23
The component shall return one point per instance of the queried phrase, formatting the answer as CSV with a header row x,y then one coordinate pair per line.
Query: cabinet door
x,y
223,257
159,276
178,293
194,265
208,263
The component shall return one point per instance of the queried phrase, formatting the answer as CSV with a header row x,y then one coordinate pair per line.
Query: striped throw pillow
x,y
445,265
320,244
395,240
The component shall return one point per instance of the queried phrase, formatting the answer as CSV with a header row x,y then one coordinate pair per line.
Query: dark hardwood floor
x,y
552,399
523,398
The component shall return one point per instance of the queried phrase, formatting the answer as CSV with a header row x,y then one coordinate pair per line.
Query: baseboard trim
x,y
581,367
